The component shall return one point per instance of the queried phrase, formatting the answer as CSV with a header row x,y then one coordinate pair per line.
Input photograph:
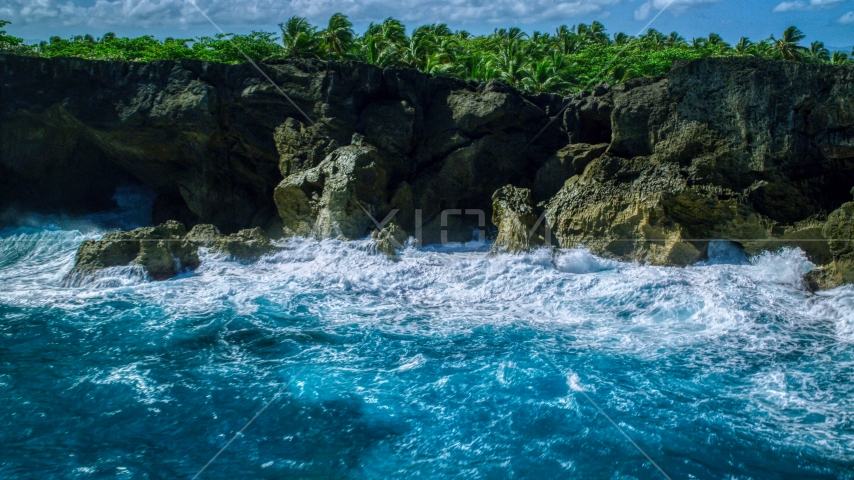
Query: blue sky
x,y
831,21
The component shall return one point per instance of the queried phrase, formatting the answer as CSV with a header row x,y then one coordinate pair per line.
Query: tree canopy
x,y
567,60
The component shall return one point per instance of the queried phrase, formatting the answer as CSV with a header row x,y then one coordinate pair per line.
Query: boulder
x,y
204,235
389,240
346,195
167,249
513,214
643,210
839,232
247,245
161,251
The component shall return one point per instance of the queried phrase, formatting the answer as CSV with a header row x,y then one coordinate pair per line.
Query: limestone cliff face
x,y
757,152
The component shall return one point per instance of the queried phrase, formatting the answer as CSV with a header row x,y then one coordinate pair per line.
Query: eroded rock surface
x,y
161,251
248,245
514,215
337,198
839,232
167,249
389,240
743,150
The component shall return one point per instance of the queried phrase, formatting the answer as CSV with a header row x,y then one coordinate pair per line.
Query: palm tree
x,y
621,73
654,39
338,37
593,33
621,38
763,49
369,49
743,46
477,66
676,40
382,43
817,53
788,46
542,76
391,31
597,33
419,48
581,30
509,35
838,58
566,40
299,38
510,61
717,43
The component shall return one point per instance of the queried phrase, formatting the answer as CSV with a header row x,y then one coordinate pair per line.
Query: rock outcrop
x,y
246,245
338,197
569,161
744,150
389,240
839,232
167,249
513,213
161,251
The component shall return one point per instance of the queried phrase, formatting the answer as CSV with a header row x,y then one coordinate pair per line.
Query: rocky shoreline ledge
x,y
756,152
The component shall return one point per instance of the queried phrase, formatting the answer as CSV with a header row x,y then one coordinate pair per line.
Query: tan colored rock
x,y
839,231
389,240
645,211
513,214
807,235
167,249
301,146
335,198
161,251
204,235
249,244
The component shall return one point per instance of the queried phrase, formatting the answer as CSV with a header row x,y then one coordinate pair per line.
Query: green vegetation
x,y
565,61
12,44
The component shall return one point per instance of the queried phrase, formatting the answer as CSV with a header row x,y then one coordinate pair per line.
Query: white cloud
x,y
168,13
847,19
642,13
798,5
675,6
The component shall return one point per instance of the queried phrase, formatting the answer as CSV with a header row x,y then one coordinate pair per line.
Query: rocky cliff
x,y
214,141
756,152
